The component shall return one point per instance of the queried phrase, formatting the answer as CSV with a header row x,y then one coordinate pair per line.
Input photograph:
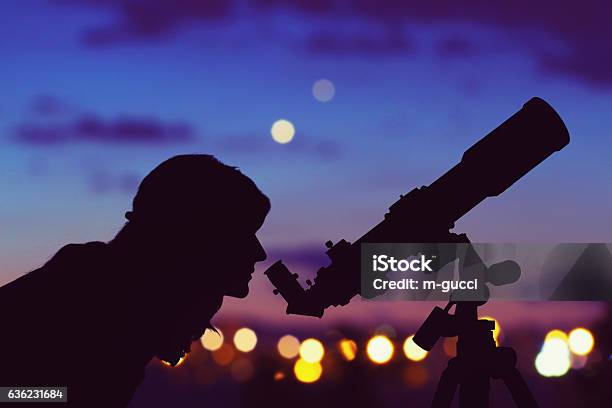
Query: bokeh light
x,y
223,355
555,346
496,331
380,349
554,359
212,340
307,372
311,350
450,346
416,375
167,364
242,370
288,346
385,329
413,351
556,334
577,362
323,90
348,349
581,341
282,131
245,340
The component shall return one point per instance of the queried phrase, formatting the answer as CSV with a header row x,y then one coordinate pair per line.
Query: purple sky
x,y
95,93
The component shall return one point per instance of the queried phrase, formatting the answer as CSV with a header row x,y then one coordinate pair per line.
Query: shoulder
x,y
71,252
73,261
50,299
69,263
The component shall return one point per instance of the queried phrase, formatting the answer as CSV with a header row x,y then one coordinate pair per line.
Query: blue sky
x,y
415,87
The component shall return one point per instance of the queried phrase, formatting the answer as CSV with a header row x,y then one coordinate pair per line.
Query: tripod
x,y
478,359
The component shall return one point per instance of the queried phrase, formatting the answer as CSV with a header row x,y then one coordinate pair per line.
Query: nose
x,y
260,252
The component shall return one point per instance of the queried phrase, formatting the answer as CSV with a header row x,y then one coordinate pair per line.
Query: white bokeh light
x,y
282,131
581,341
413,351
323,90
554,359
380,349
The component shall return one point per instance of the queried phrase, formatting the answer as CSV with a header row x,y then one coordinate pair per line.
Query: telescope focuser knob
x,y
341,247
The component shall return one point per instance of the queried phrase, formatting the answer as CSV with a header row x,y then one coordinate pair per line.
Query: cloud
x,y
331,43
91,128
313,7
582,29
150,19
456,47
50,128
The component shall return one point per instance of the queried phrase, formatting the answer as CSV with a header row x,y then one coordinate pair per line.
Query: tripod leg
x,y
447,386
474,389
521,394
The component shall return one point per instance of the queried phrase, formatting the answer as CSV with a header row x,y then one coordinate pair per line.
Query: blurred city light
x,y
581,341
348,349
577,362
450,346
212,341
223,355
560,352
311,350
323,90
282,131
288,346
245,339
386,330
307,372
554,359
496,331
413,351
242,370
555,346
167,364
380,349
556,334
416,375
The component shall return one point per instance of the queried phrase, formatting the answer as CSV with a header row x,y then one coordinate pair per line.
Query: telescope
x,y
428,214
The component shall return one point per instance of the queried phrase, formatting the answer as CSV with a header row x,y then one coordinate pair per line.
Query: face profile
x,y
240,274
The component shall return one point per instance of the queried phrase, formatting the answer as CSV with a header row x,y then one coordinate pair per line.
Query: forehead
x,y
236,221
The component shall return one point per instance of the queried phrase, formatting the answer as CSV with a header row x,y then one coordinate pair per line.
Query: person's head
x,y
193,225
202,215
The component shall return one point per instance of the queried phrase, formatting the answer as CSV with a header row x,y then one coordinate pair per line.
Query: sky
x,y
95,93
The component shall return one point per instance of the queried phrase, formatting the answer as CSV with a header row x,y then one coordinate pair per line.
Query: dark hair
x,y
199,186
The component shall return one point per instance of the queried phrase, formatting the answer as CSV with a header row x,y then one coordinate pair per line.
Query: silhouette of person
x,y
95,314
